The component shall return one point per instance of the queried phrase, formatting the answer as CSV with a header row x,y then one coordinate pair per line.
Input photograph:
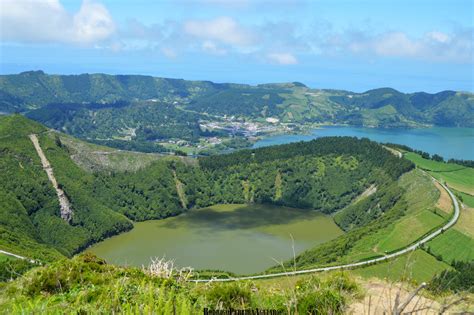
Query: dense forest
x,y
326,174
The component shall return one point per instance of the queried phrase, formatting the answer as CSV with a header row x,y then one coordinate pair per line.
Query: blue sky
x,y
353,45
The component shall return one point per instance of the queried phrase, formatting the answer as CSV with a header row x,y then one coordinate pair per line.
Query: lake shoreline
x,y
218,238
448,142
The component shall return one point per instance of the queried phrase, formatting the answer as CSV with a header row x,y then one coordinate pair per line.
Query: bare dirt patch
x,y
368,192
444,202
465,223
380,298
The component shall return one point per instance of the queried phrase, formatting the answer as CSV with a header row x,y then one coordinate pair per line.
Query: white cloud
x,y
432,46
278,42
282,58
395,44
47,21
222,29
169,52
438,36
212,48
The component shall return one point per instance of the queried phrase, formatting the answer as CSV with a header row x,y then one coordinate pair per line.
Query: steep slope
x,y
324,174
32,221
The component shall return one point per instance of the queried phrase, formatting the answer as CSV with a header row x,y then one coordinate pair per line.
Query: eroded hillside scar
x,y
180,191
64,204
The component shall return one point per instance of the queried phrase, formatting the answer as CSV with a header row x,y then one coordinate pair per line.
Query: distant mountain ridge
x,y
144,108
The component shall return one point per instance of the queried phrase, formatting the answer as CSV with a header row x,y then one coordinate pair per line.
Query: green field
x,y
458,242
453,245
421,196
462,180
418,266
432,165
467,199
410,229
457,176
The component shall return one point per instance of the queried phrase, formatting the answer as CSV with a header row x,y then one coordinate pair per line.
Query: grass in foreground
x,y
86,284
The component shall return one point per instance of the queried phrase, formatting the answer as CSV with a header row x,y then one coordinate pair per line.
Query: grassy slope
x,y
418,266
421,195
457,243
85,284
457,176
4,257
94,157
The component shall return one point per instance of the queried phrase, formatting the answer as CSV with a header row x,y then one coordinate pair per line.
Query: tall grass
x,y
86,284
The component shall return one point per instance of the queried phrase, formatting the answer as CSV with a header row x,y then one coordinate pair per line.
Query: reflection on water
x,y
238,238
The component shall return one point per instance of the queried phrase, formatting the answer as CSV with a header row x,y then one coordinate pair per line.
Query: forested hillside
x,y
325,174
30,223
135,112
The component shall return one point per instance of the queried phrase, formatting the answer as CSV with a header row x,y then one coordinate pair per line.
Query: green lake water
x,y
239,238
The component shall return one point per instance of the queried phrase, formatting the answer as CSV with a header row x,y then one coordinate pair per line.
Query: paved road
x,y
346,266
358,264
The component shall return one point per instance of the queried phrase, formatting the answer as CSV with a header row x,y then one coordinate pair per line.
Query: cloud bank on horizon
x,y
269,36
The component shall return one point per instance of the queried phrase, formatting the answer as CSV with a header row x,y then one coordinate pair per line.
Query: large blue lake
x,y
455,143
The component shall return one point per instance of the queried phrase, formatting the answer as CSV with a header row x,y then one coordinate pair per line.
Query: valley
x,y
269,206
236,157
242,239
151,114
251,186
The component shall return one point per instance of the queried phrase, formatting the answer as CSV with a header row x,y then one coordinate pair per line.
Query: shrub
x,y
225,296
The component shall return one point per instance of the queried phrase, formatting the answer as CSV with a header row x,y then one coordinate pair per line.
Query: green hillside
x,y
30,222
324,174
331,175
152,114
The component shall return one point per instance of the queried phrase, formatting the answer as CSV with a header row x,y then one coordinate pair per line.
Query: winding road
x,y
403,251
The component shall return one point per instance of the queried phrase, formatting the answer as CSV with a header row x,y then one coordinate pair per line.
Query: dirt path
x,y
66,209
